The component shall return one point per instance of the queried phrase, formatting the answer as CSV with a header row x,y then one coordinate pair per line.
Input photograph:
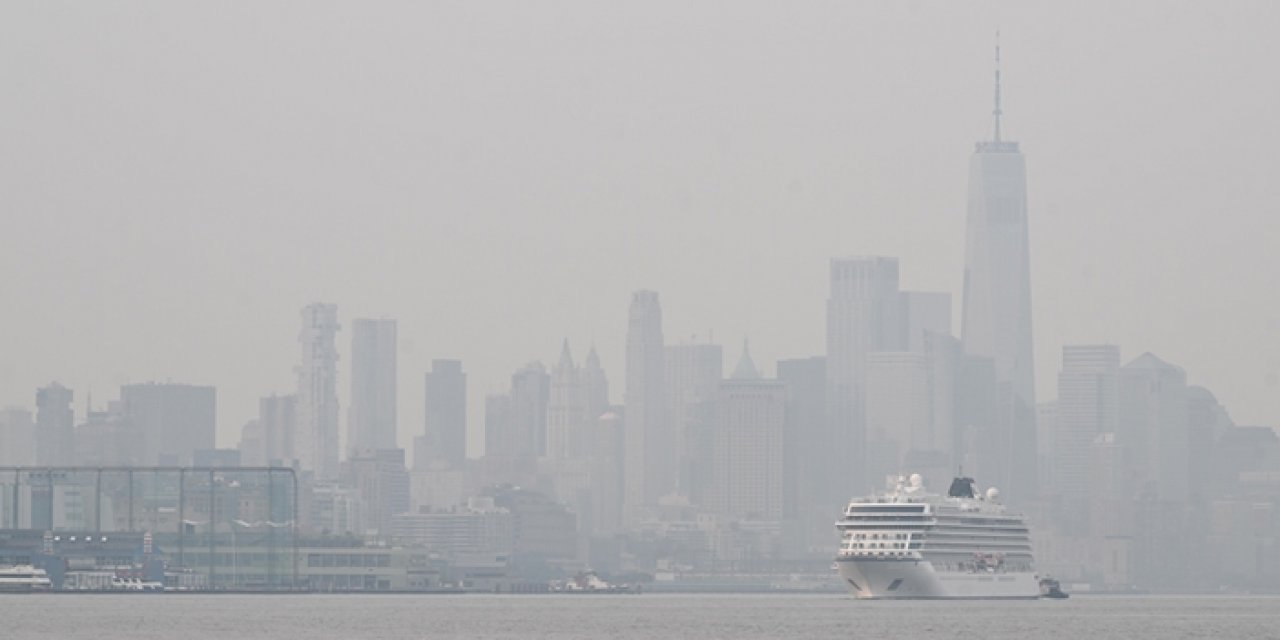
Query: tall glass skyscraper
x,y
649,466
864,314
445,435
371,421
997,303
315,436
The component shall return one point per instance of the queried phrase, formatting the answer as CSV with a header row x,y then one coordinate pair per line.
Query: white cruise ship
x,y
910,543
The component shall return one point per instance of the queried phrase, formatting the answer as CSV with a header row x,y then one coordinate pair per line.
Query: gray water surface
x,y
740,617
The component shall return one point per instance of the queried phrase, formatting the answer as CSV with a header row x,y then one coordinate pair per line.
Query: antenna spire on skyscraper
x,y
997,112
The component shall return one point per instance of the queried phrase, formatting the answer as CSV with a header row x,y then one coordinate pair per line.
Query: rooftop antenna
x,y
997,112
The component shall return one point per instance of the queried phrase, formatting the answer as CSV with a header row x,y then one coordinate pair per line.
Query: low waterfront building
x,y
478,527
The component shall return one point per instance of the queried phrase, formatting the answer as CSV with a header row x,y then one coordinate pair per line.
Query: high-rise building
x,y
55,426
1153,427
1154,431
1111,513
606,463
748,453
530,393
17,437
1046,427
693,374
997,298
499,441
573,421
445,436
899,412
649,468
596,384
371,421
515,425
544,529
1087,406
382,482
911,410
109,439
172,420
942,355
925,312
278,416
217,458
268,439
1207,421
568,428
316,436
252,445
981,450
808,468
604,452
864,314
435,486
332,508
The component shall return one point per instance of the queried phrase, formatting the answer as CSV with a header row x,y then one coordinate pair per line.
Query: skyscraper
x,y
253,444
530,392
55,426
997,297
596,384
109,439
649,468
1154,427
693,373
925,312
382,482
980,450
899,412
603,510
371,421
806,438
172,420
445,436
515,428
911,409
17,437
316,435
748,452
567,423
571,461
864,314
1046,427
278,416
1154,431
943,355
1207,420
1087,406
499,439
607,454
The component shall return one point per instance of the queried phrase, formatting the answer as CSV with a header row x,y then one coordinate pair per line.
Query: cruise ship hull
x,y
907,579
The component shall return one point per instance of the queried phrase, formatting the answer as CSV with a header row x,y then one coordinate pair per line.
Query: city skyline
x,y
1124,286
461,310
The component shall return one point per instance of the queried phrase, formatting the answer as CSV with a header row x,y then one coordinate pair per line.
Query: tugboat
x,y
1049,588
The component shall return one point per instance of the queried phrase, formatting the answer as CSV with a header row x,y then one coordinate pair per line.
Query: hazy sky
x,y
179,179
